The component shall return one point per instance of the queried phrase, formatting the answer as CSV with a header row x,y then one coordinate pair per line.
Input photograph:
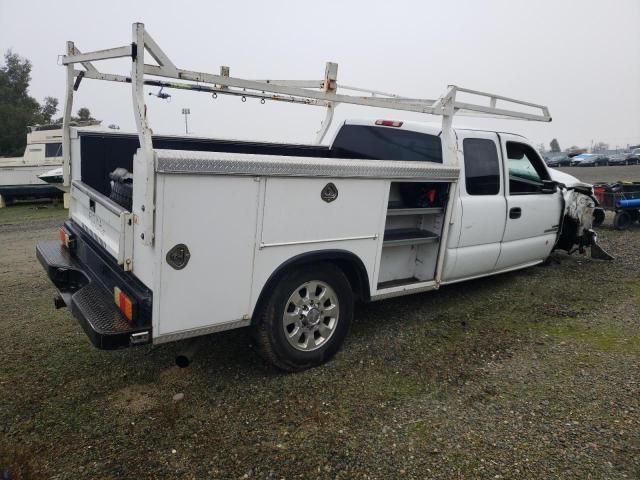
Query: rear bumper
x,y
85,281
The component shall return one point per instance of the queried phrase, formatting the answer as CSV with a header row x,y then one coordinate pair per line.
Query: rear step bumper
x,y
90,301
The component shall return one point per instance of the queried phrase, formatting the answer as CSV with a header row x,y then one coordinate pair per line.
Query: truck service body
x,y
223,234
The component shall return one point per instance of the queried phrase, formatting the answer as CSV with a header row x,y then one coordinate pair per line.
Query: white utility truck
x,y
177,237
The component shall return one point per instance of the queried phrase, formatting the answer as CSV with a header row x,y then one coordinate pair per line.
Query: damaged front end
x,y
576,233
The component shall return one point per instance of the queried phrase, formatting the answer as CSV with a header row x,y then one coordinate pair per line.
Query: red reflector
x,y
65,238
123,302
389,123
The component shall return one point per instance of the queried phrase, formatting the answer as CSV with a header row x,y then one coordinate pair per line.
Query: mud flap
x,y
599,253
590,239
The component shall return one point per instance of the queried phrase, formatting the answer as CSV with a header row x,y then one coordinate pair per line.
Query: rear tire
x,y
306,318
622,220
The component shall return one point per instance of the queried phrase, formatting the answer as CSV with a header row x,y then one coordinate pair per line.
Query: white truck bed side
x,y
242,216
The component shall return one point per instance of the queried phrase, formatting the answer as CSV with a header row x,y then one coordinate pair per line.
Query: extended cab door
x,y
480,212
533,209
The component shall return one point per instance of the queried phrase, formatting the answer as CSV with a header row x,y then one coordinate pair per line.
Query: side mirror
x,y
549,186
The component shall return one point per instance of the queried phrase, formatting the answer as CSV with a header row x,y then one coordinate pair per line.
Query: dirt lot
x,y
533,374
604,174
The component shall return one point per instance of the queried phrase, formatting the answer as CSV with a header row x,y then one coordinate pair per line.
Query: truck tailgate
x,y
107,222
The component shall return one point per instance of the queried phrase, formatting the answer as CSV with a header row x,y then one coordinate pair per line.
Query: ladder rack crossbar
x,y
202,77
118,52
201,88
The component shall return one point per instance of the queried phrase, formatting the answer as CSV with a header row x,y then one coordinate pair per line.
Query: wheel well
x,y
350,264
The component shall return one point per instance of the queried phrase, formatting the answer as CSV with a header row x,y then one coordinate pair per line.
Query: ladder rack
x,y
323,93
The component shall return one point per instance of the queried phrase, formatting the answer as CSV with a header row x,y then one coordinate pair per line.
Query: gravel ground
x,y
531,374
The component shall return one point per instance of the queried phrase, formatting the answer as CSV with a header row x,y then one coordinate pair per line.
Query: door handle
x,y
515,212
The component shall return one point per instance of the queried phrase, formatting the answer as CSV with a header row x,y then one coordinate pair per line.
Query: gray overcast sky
x,y
581,58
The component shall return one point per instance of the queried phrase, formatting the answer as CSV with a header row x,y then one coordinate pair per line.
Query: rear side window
x,y
481,166
53,150
385,143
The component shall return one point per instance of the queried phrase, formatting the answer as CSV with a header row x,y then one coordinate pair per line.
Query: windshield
x,y
524,164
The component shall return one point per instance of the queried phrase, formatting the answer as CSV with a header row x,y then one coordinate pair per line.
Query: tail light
x,y
66,239
124,303
389,123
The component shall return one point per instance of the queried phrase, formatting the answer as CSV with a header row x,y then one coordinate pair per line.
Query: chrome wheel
x,y
310,316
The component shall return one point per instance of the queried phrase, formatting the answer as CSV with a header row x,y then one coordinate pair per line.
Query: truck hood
x,y
566,179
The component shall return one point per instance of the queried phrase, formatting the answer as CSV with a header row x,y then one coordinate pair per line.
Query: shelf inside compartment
x,y
391,212
408,236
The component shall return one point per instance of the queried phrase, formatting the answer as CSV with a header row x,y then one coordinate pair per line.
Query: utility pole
x,y
186,112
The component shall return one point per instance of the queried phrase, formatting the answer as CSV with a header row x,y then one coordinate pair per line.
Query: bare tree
x,y
84,114
600,147
49,109
555,146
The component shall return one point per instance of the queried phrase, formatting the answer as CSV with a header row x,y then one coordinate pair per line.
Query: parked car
x,y
589,160
624,159
557,159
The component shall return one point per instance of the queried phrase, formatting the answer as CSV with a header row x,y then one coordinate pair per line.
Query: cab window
x,y
481,166
526,169
384,143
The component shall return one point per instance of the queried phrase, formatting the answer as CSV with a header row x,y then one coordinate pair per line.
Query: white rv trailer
x,y
283,238
26,176
19,175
